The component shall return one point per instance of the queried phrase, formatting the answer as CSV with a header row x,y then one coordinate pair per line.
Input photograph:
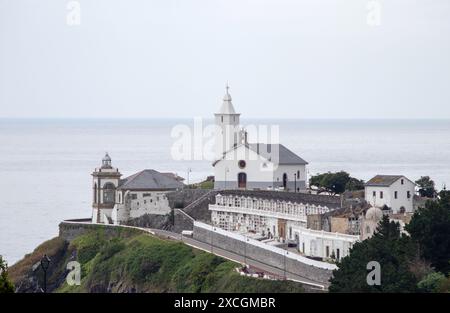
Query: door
x,y
285,180
242,180
282,228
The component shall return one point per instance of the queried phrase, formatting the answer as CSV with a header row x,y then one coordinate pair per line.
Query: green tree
x,y
354,184
426,187
430,229
388,248
335,183
432,282
5,284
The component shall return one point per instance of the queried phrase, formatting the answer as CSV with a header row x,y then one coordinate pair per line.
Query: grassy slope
x,y
138,262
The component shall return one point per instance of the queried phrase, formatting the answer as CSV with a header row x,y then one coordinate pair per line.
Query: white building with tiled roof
x,y
243,165
393,191
119,200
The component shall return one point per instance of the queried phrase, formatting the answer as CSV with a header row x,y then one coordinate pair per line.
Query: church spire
x,y
227,106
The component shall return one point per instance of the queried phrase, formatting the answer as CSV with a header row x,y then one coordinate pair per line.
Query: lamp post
x,y
245,252
226,171
212,237
188,171
45,263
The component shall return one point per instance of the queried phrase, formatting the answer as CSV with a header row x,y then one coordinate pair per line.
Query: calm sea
x,y
45,165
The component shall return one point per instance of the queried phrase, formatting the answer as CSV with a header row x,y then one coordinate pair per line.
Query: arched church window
x,y
95,193
109,193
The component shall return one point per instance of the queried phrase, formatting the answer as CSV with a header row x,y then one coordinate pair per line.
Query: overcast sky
x,y
172,58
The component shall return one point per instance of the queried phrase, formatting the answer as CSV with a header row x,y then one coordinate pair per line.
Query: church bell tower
x,y
227,126
105,181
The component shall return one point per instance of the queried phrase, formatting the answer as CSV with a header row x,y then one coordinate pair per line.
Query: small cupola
x,y
106,161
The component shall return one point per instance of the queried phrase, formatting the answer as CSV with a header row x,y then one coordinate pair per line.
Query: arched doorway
x,y
242,180
285,179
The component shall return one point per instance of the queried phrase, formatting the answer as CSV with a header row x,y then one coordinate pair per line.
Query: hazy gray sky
x,y
172,58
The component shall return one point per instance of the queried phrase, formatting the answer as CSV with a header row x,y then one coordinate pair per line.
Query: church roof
x,y
285,156
268,151
227,105
383,180
150,180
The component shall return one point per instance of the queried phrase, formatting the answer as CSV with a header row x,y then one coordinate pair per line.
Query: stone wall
x,y
71,229
182,198
339,225
182,221
316,274
152,221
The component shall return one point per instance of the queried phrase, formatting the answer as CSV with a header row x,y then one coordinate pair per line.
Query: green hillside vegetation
x,y
137,262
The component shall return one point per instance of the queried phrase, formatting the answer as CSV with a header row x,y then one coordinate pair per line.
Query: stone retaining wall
x,y
70,230
182,221
266,256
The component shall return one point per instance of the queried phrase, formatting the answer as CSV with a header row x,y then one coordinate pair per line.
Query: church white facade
x,y
243,165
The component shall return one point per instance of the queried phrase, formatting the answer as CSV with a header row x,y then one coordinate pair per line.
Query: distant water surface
x,y
45,165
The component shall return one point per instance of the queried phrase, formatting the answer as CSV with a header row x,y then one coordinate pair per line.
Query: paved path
x,y
238,258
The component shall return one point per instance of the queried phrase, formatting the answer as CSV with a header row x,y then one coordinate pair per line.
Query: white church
x,y
243,165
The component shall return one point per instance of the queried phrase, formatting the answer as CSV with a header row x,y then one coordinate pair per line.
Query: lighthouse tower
x,y
105,181
228,134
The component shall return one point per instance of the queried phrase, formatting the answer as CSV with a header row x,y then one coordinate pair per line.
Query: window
x,y
327,251
374,194
338,254
408,194
395,194
402,182
381,195
290,232
298,174
95,193
221,118
109,193
133,196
